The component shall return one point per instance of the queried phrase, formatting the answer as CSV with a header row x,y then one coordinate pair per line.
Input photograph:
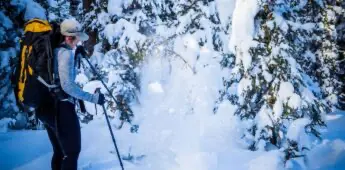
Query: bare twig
x,y
178,55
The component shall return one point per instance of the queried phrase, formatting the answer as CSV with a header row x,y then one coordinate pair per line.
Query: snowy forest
x,y
199,84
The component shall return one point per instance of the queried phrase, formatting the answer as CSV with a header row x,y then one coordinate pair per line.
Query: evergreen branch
x,y
186,8
179,56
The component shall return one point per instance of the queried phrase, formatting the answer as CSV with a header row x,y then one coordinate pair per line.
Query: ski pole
x,y
111,133
112,136
99,77
83,54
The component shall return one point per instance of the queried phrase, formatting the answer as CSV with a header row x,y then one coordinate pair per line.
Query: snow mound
x,y
267,161
156,87
4,123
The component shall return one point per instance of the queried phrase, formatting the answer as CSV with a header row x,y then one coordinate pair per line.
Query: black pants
x,y
62,124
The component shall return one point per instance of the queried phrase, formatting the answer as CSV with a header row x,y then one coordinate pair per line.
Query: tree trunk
x,y
87,5
74,7
91,42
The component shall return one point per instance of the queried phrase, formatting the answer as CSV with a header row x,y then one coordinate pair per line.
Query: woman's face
x,y
76,41
72,41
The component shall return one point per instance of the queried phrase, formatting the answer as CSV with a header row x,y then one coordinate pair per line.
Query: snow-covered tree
x,y
58,10
13,15
119,51
8,48
340,25
272,83
123,26
327,53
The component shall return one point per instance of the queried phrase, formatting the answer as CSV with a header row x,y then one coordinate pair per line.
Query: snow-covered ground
x,y
26,150
330,155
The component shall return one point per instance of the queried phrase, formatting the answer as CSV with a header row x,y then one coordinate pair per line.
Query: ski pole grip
x,y
82,51
98,90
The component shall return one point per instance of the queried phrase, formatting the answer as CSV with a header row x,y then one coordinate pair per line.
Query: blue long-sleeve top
x,y
65,66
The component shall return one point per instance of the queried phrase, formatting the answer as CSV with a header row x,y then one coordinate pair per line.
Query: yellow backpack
x,y
33,76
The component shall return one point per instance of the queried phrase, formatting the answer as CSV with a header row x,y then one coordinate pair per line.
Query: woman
x,y
59,116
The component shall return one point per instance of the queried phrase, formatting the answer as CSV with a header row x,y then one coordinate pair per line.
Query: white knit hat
x,y
71,27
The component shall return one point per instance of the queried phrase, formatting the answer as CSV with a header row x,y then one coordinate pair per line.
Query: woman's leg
x,y
47,114
69,135
58,155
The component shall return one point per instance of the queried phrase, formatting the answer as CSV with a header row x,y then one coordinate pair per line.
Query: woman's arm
x,y
66,69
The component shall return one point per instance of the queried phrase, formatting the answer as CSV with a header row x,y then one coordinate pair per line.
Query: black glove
x,y
101,99
81,50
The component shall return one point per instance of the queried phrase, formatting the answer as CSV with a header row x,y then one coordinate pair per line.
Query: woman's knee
x,y
70,161
71,155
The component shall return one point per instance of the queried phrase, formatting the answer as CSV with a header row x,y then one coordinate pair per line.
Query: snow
x,y
277,109
5,21
243,31
32,9
225,8
263,119
96,156
296,130
294,101
329,154
286,90
97,56
125,33
103,18
187,47
308,95
244,85
279,21
268,77
267,161
178,127
4,123
309,54
5,58
156,87
52,3
286,94
81,79
115,7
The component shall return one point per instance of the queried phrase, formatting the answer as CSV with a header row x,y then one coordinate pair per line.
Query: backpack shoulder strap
x,y
64,46
77,60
